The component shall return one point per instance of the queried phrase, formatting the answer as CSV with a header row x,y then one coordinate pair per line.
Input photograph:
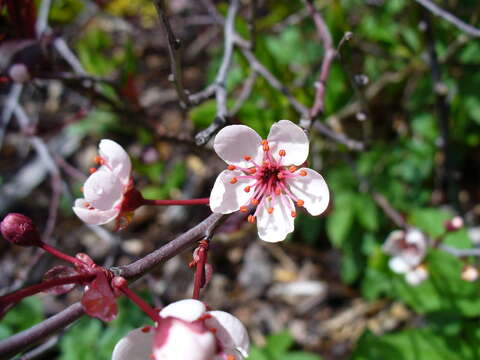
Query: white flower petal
x,y
116,158
225,197
230,332
276,226
179,340
399,265
234,142
285,135
93,216
417,238
416,276
186,310
393,244
103,189
312,189
137,345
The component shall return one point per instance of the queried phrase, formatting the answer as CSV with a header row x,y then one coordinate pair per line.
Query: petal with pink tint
x,y
312,189
229,331
226,197
179,340
285,135
186,310
234,142
116,159
93,216
103,189
136,345
276,226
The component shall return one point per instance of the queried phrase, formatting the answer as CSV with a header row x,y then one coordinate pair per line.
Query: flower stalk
x,y
122,285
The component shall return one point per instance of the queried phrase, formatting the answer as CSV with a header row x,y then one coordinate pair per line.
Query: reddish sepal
x,y
98,299
59,272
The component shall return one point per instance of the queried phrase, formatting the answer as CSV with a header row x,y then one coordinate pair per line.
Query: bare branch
x,y
220,90
452,19
29,337
173,46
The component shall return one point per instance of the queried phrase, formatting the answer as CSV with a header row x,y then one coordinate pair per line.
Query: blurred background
x,y
399,139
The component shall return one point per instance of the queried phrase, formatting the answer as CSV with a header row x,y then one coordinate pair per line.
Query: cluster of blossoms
x,y
186,330
408,249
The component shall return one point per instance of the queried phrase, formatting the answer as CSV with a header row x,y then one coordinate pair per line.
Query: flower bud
x,y
469,273
453,224
20,230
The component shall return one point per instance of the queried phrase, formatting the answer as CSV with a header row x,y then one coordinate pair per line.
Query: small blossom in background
x,y
267,174
187,331
108,191
408,249
469,273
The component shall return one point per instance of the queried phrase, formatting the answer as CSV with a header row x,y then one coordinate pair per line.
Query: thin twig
x,y
42,20
452,19
29,337
251,22
318,107
220,80
174,45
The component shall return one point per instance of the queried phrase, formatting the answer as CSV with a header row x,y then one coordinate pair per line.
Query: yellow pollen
x,y
270,210
251,219
231,167
243,209
282,153
247,189
300,202
247,158
233,180
292,169
255,201
294,214
303,173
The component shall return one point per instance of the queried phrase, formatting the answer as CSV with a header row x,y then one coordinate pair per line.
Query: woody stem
x,y
202,201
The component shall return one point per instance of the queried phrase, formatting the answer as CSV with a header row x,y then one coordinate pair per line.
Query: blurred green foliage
x,y
278,348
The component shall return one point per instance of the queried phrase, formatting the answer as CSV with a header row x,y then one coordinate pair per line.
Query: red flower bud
x,y
20,230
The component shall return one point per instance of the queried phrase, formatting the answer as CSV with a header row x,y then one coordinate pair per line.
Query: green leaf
x,y
366,212
340,220
278,344
22,316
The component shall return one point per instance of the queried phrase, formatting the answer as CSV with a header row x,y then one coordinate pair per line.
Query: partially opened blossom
x,y
186,331
268,174
109,189
408,249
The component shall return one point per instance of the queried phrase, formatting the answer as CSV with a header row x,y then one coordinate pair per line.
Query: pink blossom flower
x,y
268,174
105,189
408,249
186,331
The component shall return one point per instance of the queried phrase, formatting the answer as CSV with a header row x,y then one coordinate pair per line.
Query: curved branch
x,y
33,335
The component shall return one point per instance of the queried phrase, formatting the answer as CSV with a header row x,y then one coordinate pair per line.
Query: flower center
x,y
271,188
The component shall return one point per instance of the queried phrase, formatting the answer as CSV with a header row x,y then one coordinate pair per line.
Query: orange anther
x,y
87,205
255,201
243,209
303,173
252,170
251,219
230,357
300,202
213,330
280,176
247,158
282,153
278,191
294,214
92,170
270,210
231,167
233,180
146,329
266,147
292,169
247,189
98,160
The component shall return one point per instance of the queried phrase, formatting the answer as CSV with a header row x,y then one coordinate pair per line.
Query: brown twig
x,y
27,338
174,45
459,24
318,107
